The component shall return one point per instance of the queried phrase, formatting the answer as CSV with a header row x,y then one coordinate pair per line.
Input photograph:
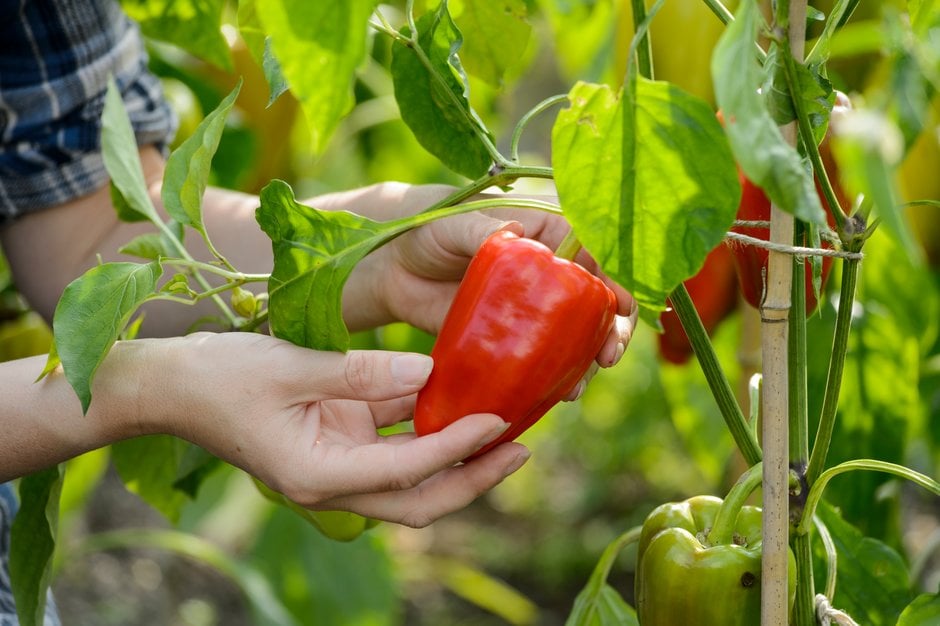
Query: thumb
x,y
367,375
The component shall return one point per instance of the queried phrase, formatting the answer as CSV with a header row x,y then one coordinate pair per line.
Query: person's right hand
x,y
305,423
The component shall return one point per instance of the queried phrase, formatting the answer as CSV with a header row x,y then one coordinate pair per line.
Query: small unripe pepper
x,y
521,332
699,562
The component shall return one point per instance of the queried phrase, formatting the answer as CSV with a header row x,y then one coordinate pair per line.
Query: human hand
x,y
305,423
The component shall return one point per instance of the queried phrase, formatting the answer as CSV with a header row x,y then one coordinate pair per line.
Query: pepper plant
x,y
647,177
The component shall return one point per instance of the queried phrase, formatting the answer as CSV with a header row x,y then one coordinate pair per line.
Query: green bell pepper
x,y
699,562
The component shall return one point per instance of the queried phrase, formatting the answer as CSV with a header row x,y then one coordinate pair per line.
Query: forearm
x,y
41,423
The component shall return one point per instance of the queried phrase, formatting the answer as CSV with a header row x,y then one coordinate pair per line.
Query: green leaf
x,y
188,168
314,253
758,146
122,160
91,314
432,95
486,592
925,609
193,25
195,466
324,581
149,467
646,180
319,45
32,543
151,246
873,585
496,35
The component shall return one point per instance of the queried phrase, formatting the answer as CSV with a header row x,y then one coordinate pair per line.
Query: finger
x,y
390,412
617,339
462,235
381,467
447,491
360,375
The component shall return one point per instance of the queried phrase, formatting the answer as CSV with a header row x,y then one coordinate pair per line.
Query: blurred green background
x,y
645,432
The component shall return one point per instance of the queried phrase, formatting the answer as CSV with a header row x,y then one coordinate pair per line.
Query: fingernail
x,y
581,387
411,369
618,353
493,433
518,462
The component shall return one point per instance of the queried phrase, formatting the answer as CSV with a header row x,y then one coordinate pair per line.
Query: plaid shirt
x,y
55,60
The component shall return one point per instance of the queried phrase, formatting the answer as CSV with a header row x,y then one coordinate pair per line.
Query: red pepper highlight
x,y
523,329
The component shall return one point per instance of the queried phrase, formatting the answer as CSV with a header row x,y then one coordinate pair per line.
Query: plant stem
x,y
542,106
233,276
832,557
229,315
569,247
816,491
840,340
804,609
721,389
720,11
809,140
723,528
504,176
839,14
799,413
644,49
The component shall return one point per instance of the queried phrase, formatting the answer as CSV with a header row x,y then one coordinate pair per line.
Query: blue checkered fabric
x,y
55,60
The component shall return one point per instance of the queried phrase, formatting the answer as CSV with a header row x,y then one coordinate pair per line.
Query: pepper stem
x,y
722,532
569,247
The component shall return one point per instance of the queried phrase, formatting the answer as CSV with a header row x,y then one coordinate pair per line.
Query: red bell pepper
x,y
521,332
751,261
714,291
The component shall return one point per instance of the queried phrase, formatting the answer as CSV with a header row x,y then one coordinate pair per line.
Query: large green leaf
x,y
758,145
314,253
188,168
496,35
873,585
32,543
431,91
193,25
91,314
647,181
121,159
318,46
149,467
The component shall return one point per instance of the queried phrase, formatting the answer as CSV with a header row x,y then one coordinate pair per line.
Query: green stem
x,y
743,436
722,532
541,107
804,608
808,139
501,178
644,48
832,557
229,315
606,562
816,491
827,418
569,247
720,11
796,352
233,276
